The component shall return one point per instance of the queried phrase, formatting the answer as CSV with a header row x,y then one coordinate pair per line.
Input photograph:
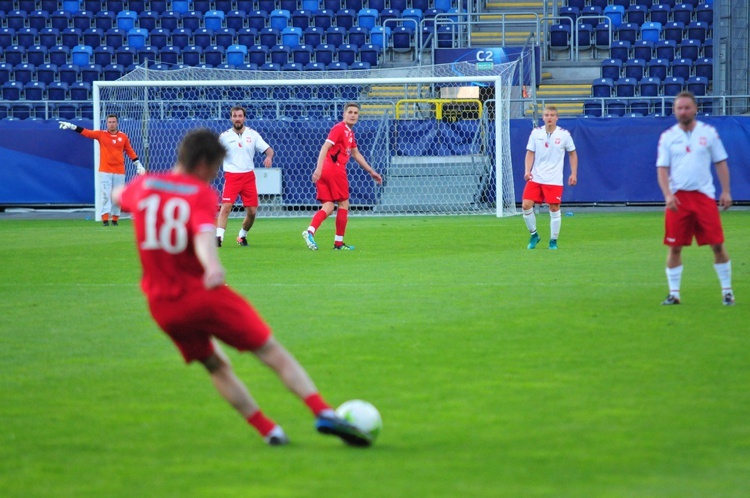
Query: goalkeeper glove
x,y
64,125
139,167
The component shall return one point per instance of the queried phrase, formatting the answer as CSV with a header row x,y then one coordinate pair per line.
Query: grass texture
x,y
499,371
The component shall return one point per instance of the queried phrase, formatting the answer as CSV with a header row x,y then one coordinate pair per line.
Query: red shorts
x,y
333,185
242,184
539,192
195,318
697,215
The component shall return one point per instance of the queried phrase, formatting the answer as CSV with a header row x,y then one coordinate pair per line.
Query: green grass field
x,y
499,372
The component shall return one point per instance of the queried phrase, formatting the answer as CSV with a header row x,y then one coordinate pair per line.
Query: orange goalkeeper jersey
x,y
111,149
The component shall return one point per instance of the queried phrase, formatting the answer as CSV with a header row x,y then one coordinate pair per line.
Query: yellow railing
x,y
401,110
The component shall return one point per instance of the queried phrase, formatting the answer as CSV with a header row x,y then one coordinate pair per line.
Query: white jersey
x,y
689,156
549,154
241,149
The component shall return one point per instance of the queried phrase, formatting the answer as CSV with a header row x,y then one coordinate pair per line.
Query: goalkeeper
x,y
112,144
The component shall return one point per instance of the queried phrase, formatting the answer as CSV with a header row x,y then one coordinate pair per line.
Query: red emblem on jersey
x,y
557,141
703,141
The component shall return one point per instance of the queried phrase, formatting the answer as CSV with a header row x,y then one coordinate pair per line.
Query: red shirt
x,y
168,211
343,141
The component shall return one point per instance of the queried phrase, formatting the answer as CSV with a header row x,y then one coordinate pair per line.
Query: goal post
x,y
439,151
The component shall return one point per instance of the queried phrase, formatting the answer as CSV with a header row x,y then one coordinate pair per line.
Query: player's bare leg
x,y
723,267
325,211
221,222
247,224
234,391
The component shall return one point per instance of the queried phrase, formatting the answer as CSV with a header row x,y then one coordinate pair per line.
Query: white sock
x,y
277,431
220,233
243,232
311,229
674,277
530,219
724,272
555,220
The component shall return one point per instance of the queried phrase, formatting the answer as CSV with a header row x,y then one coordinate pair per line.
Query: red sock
x,y
342,216
318,219
316,403
263,424
105,217
115,218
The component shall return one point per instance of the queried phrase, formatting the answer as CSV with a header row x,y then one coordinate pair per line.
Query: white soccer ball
x,y
362,415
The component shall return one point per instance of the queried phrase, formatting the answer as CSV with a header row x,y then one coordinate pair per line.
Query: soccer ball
x,y
362,415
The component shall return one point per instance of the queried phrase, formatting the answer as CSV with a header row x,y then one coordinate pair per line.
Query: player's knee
x,y
214,363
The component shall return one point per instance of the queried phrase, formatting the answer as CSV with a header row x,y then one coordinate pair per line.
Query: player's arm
x,y
669,198
573,155
214,274
64,125
528,163
268,161
321,159
722,172
133,156
357,156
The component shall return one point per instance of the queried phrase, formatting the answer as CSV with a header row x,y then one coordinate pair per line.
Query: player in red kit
x,y
331,180
184,283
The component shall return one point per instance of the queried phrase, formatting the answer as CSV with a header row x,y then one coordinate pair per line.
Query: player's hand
x,y
527,177
64,125
376,176
214,276
672,202
573,180
316,176
139,167
725,201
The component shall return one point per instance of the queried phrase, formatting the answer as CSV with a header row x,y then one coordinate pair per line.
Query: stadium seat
x,y
26,37
105,19
269,37
643,49
15,19
70,37
203,37
257,54
245,5
60,19
371,54
12,90
323,19
367,18
72,5
402,39
345,18
559,37
640,107
611,68
80,90
81,55
603,37
386,15
137,37
628,32
15,54
46,73
214,55
280,54
270,66
36,55
314,66
337,66
57,90
665,49
93,37
7,37
673,31
682,68
703,67
571,12
592,108
313,36
616,107
83,19
302,54
257,19
147,53
649,87
181,38
24,72
235,19
170,55
332,5
6,72
213,19
202,6
355,4
708,48
126,20
697,31
634,68
158,38
247,37
34,90
224,37
324,54
698,85
602,87
21,110
115,37
38,19
347,53
358,36
636,14
683,13
58,55
651,31
169,20
113,72
69,73
137,6
266,5
658,68
335,36
125,56
279,19
236,55
625,87
619,50
690,49
616,14
291,36
148,20
191,20
360,66
66,110
672,86
704,13
381,36
585,37
181,6
660,13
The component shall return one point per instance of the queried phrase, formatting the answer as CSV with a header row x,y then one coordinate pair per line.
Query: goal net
x,y
439,135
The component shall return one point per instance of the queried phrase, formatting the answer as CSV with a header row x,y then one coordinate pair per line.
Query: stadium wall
x,y
42,166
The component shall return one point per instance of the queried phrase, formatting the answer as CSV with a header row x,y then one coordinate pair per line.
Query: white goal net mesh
x,y
439,135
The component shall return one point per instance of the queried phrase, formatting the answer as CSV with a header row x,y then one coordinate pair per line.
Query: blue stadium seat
x,y
21,110
115,37
612,69
279,19
125,56
347,53
385,15
266,5
402,39
81,55
571,12
247,37
660,13
170,55
640,107
49,37
697,31
367,18
72,5
180,6
24,72
634,68
202,6
683,13
358,36
257,19
559,37
665,49
616,107
214,55
673,31
38,19
708,48
6,72
93,37
625,87
126,20
371,54
313,36
291,66
415,15
658,68
225,37
698,85
46,73
137,37
643,49
181,38
616,14
60,19
58,55
245,5
236,55
89,74
191,20
14,54
704,66
585,37
354,4
337,66
69,73
690,49
603,36
345,18
15,19
335,36
105,19
203,37
682,68
672,86
602,87
83,19
26,37
332,5
628,32
257,54
148,20
7,37
57,90
280,54
270,66
323,19
704,13
169,20
113,72
381,36
35,90
592,108
399,5
651,31
213,19
36,55
224,5
71,37
269,37
636,14
235,19
649,87
158,38
324,53
619,50
360,66
302,54
291,36
137,5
